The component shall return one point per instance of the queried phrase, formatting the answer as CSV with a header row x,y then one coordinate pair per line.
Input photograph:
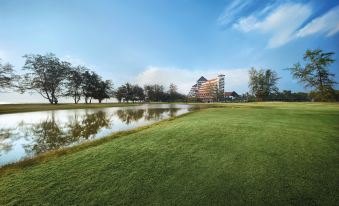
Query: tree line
x,y
53,78
314,74
151,93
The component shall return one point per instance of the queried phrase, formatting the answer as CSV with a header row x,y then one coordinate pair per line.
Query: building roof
x,y
233,94
202,79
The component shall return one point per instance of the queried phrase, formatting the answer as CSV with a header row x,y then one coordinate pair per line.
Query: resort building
x,y
208,90
231,95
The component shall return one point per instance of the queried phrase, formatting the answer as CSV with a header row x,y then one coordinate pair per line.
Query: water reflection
x,y
50,134
29,134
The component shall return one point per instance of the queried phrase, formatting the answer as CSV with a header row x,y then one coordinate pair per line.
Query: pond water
x,y
28,134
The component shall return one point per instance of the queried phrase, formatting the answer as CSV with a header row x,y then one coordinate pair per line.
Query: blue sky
x,y
163,41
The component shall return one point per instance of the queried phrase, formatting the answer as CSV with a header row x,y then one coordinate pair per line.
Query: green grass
x,y
14,108
243,154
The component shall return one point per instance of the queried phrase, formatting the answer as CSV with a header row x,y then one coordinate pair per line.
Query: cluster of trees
x,y
314,74
53,78
151,93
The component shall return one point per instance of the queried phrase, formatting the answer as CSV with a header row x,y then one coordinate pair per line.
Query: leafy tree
x,y
103,90
46,75
315,74
89,86
138,93
263,83
154,92
129,92
174,95
120,93
74,83
7,76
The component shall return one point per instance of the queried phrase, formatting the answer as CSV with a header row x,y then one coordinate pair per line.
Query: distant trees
x,y
289,96
315,74
174,95
150,93
155,93
263,83
129,92
7,76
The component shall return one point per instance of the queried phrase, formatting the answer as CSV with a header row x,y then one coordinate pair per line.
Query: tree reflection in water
x,y
5,141
158,114
128,116
54,130
51,135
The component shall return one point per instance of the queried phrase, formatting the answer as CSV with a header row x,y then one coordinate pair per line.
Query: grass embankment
x,y
14,108
255,154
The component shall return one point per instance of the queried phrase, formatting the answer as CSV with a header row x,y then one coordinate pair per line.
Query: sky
x,y
170,41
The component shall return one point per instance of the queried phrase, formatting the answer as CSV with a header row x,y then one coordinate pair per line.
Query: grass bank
x,y
255,154
14,108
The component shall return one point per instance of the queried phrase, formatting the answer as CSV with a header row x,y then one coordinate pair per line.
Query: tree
x,y
138,93
46,75
120,93
89,86
7,76
74,83
129,92
173,94
315,74
263,83
103,90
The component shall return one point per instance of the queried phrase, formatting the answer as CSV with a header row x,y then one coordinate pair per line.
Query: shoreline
x,y
53,154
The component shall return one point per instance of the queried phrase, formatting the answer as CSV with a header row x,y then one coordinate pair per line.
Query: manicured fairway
x,y
243,154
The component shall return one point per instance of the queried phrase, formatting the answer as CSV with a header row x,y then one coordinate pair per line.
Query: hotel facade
x,y
208,90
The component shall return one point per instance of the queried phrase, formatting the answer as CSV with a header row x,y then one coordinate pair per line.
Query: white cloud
x,y
281,23
232,10
246,24
328,23
236,79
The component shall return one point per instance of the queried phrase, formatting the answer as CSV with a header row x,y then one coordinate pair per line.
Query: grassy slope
x,y
271,154
13,108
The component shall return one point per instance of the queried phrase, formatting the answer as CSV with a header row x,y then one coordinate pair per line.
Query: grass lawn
x,y
243,154
13,108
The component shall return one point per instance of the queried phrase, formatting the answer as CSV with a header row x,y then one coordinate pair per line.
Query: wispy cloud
x,y
232,10
281,23
236,79
327,24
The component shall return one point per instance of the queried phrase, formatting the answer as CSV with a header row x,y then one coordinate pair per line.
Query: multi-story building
x,y
208,90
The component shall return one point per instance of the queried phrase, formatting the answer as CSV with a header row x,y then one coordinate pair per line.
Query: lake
x,y
28,134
